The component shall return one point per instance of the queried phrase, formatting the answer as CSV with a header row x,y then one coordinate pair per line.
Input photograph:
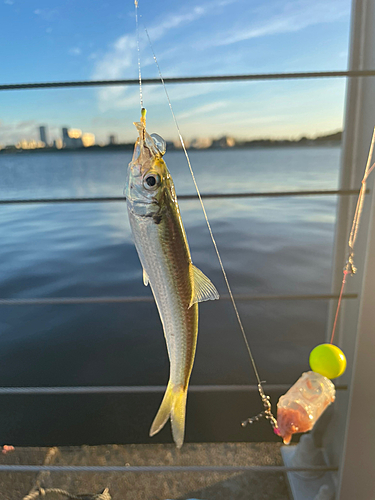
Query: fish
x,y
176,284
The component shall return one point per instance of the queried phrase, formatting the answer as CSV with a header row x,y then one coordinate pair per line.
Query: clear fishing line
x,y
138,54
267,413
349,266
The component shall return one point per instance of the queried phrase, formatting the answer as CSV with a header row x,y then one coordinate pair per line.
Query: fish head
x,y
148,177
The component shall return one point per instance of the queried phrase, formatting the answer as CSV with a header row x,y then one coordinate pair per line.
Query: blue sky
x,y
80,39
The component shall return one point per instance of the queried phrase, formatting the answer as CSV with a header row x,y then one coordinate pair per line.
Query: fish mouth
x,y
147,147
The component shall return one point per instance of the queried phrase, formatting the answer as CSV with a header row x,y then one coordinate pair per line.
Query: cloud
x,y
277,17
12,132
121,57
9,2
24,125
127,97
294,16
173,21
206,108
75,51
117,60
47,14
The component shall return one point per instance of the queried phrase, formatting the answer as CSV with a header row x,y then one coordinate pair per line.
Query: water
x,y
268,246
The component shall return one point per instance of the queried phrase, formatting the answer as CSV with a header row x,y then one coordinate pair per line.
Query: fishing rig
x,y
302,405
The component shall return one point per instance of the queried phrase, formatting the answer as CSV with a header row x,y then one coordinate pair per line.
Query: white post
x,y
355,317
357,471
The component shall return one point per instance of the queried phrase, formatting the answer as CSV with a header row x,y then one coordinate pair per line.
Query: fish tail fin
x,y
173,406
178,415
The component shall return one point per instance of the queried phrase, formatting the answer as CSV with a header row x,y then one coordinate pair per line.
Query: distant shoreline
x,y
330,140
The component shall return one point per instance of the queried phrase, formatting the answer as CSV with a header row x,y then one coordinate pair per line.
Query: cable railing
x,y
162,468
43,301
207,196
139,389
193,79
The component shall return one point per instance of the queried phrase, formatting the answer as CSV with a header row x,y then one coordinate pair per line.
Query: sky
x,y
68,40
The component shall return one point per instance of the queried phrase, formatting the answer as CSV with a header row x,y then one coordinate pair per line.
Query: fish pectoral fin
x,y
145,278
203,289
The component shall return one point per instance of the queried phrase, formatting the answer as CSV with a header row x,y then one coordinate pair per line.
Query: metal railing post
x,y
359,124
357,471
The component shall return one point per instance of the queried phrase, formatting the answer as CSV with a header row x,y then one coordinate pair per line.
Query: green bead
x,y
328,360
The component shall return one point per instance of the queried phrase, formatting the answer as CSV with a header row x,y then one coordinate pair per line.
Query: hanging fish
x,y
177,285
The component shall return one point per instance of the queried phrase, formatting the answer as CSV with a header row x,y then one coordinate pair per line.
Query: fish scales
x,y
177,285
163,252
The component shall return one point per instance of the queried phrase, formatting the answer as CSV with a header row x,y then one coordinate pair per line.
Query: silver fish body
x,y
177,285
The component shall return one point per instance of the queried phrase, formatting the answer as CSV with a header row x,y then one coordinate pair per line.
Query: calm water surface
x,y
269,246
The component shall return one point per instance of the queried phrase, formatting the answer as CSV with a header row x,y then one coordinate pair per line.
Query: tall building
x,y
65,137
43,135
75,137
72,138
112,140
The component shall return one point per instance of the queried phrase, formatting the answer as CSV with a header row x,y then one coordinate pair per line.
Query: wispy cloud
x,y
117,59
115,98
206,108
264,20
12,132
293,16
172,21
75,51
121,55
9,2
47,14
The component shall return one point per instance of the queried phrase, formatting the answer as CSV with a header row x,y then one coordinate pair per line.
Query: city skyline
x,y
75,139
57,44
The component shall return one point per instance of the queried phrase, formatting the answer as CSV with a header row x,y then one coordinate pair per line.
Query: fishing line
x,y
265,399
349,266
139,54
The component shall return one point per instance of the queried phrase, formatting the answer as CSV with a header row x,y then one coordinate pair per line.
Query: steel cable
x,y
193,79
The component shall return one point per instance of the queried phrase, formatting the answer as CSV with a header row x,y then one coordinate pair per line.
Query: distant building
x,y
112,140
65,137
72,138
24,144
223,142
88,140
201,143
58,143
43,135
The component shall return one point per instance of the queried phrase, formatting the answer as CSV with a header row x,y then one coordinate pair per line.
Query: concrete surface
x,y
161,486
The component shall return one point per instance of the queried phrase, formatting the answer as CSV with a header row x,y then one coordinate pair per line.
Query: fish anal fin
x,y
203,289
145,278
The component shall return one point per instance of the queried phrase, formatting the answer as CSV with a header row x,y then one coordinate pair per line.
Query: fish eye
x,y
151,181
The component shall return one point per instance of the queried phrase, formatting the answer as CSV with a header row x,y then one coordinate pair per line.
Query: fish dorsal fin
x,y
203,289
145,278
